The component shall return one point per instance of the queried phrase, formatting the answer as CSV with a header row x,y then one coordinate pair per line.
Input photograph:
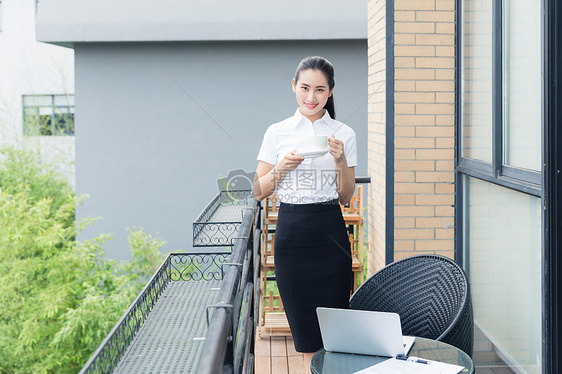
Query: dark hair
x,y
323,65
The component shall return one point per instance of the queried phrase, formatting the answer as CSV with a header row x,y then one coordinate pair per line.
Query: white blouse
x,y
314,180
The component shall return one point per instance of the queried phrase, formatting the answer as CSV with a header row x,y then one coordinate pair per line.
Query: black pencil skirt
x,y
312,267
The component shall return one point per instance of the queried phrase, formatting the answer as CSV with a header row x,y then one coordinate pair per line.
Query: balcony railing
x,y
219,222
195,315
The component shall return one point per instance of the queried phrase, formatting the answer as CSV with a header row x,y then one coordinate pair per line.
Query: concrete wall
x,y
178,20
28,67
158,123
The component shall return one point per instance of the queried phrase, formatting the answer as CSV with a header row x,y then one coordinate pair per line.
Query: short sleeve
x,y
268,150
350,149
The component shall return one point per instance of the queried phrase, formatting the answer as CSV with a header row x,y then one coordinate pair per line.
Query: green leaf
x,y
59,297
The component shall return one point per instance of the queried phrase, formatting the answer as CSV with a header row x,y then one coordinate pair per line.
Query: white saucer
x,y
311,154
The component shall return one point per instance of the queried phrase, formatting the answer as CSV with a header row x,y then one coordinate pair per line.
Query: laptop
x,y
362,332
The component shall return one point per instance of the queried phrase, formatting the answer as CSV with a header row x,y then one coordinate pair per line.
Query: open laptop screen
x,y
361,332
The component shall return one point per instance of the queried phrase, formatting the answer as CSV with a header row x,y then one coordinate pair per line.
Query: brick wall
x,y
377,134
424,133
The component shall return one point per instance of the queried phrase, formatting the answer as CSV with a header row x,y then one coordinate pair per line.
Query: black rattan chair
x,y
430,293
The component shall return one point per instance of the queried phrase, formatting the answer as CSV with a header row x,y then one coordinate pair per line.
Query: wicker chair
x,y
430,293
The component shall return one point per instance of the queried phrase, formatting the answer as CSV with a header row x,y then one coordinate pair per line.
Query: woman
x,y
312,249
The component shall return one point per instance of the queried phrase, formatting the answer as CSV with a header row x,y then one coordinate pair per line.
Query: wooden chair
x,y
270,209
353,216
272,317
356,263
353,213
268,251
273,321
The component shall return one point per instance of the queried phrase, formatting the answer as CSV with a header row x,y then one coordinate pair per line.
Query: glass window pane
x,y
46,110
71,123
61,122
503,249
38,100
48,115
476,83
64,100
30,121
522,83
45,125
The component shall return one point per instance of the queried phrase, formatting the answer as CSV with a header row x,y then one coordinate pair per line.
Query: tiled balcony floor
x,y
277,355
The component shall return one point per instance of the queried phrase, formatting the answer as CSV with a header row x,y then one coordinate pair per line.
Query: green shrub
x,y
22,170
58,298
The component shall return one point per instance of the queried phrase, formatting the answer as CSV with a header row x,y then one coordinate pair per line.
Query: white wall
x,y
29,67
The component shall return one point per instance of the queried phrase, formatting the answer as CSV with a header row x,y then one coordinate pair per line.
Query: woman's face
x,y
312,93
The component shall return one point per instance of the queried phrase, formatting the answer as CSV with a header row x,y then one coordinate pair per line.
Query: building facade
x,y
463,157
168,103
36,89
459,137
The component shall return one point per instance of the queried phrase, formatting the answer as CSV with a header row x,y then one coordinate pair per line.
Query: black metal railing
x,y
220,220
232,318
176,267
228,345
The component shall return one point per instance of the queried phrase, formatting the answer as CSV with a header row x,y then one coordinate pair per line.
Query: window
x,y
503,234
500,114
501,92
521,82
48,115
476,130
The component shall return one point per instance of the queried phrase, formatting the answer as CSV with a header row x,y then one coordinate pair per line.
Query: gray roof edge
x,y
68,34
67,21
71,44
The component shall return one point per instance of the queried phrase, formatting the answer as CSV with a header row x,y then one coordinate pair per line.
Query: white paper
x,y
408,343
395,366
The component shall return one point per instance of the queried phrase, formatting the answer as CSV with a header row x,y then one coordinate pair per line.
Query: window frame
x,y
544,184
552,182
523,180
69,130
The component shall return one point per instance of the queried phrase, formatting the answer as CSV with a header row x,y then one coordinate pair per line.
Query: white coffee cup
x,y
315,143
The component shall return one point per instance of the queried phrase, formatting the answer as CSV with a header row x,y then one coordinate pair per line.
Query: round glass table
x,y
343,363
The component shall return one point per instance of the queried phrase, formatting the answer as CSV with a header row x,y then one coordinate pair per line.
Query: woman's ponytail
x,y
330,107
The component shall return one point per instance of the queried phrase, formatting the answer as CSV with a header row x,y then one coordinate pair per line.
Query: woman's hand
x,y
336,149
268,176
346,179
290,161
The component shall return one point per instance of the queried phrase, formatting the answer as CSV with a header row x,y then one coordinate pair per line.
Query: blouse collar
x,y
297,118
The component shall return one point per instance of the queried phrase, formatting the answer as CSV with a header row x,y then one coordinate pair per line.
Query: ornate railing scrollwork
x,y
221,219
215,234
204,266
201,269
176,267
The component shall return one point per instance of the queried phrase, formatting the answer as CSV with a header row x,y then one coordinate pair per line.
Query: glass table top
x,y
342,363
